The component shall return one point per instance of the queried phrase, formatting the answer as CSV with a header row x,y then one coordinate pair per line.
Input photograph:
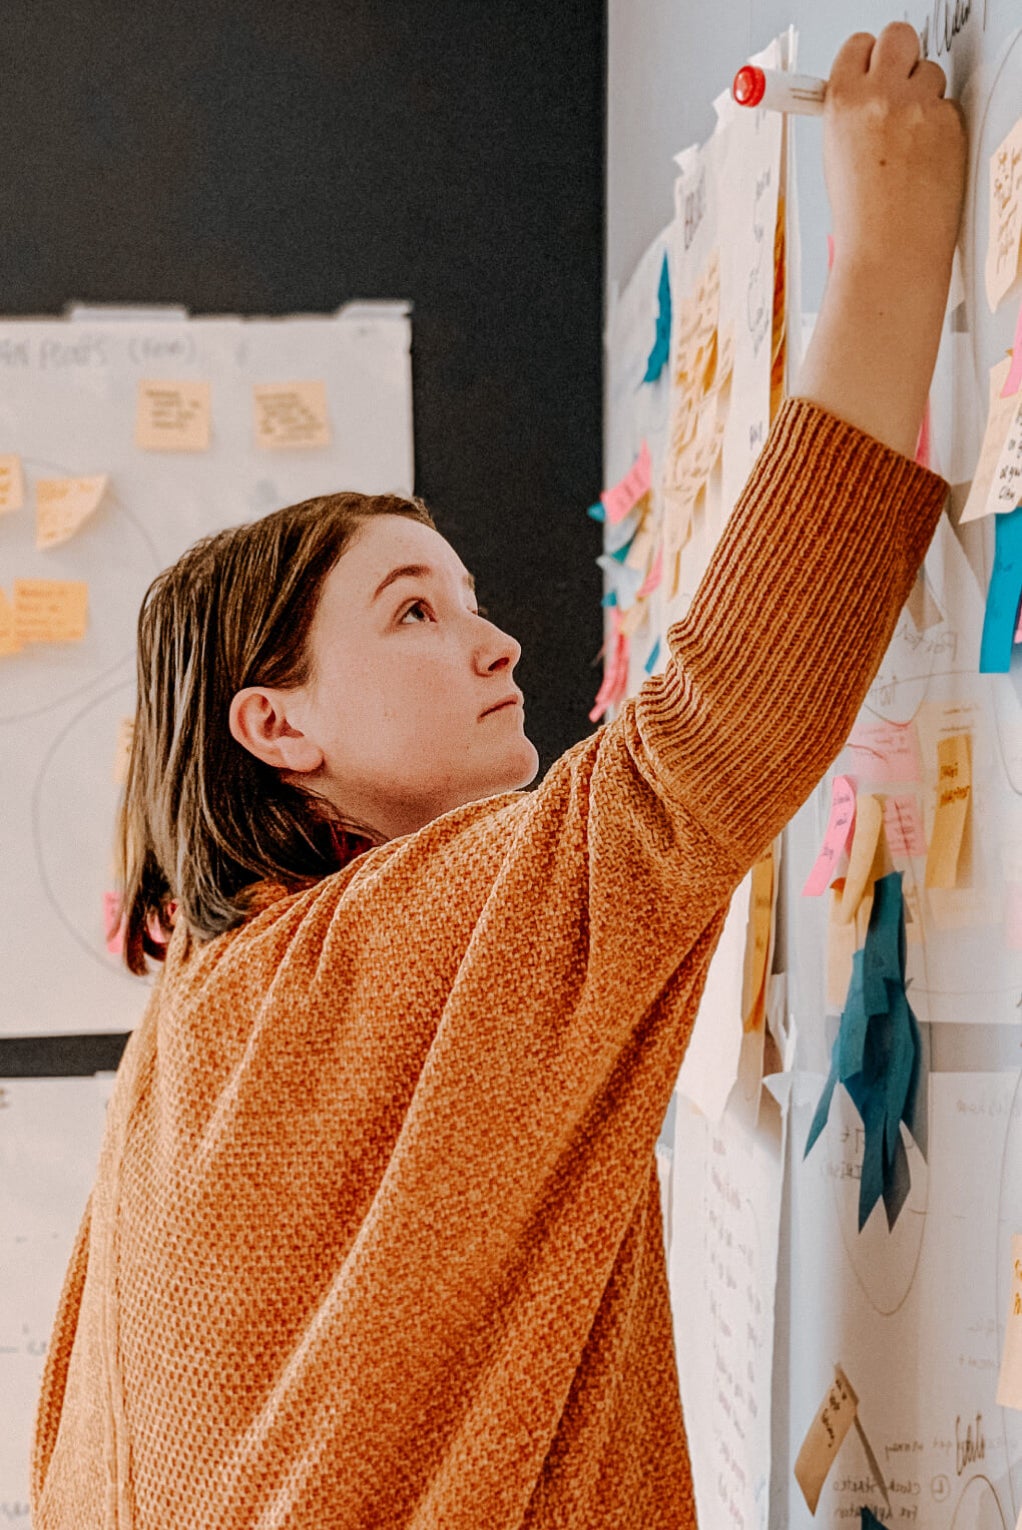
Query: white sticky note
x,y
1005,230
63,505
291,415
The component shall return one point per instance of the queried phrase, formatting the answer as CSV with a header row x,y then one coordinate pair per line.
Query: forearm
x,y
872,354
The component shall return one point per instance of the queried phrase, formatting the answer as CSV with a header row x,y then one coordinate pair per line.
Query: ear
x,y
258,720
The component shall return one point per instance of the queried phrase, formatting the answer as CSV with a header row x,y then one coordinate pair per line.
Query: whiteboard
x,y
68,396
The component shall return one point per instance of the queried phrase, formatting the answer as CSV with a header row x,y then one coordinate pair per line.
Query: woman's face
x,y
403,671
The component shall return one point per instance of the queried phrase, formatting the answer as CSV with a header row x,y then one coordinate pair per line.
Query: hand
x,y
894,158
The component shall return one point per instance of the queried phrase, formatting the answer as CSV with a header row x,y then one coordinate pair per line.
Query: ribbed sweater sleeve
x,y
787,629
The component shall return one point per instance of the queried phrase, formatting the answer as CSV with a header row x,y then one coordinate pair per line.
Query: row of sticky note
x,y
43,611
176,416
62,505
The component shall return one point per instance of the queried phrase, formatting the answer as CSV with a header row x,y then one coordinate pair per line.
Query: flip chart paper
x,y
1005,178
50,610
292,415
173,416
839,831
825,1436
954,789
12,486
624,496
63,505
10,642
1009,1383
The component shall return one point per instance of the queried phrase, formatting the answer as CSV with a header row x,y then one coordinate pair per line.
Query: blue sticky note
x,y
897,1183
822,1111
882,957
1003,595
850,1047
870,1521
610,599
662,343
597,512
650,663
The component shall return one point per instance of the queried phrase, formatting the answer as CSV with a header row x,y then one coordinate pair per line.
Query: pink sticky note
x,y
923,444
835,841
654,576
625,495
113,923
1013,381
903,826
884,752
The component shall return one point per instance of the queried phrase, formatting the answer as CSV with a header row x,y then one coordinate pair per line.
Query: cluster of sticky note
x,y
47,610
877,1057
632,565
175,415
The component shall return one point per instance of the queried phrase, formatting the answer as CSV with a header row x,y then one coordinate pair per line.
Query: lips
x,y
509,701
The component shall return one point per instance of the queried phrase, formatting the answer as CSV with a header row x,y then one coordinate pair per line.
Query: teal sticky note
x,y
610,599
662,341
870,1521
597,512
882,958
650,663
822,1112
1003,595
850,1047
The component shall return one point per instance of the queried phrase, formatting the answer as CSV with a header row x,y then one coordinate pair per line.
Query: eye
x,y
421,605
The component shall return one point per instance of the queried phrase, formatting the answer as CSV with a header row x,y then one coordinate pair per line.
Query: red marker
x,y
778,90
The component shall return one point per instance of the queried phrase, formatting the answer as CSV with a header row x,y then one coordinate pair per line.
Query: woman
x,y
375,1236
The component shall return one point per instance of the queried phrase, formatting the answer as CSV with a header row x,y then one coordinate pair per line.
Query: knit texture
x,y
375,1237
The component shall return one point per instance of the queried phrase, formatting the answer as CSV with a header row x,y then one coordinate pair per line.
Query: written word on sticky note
x,y
122,749
954,790
1009,1382
903,826
835,840
826,1435
291,415
172,416
63,505
1005,234
12,483
884,752
50,610
1002,410
625,495
10,643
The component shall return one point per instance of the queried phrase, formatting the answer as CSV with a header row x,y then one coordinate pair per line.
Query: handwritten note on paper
x,y
835,840
1001,412
12,485
954,790
903,826
50,610
834,1417
883,752
1005,216
122,749
10,642
63,505
290,415
1009,1381
172,416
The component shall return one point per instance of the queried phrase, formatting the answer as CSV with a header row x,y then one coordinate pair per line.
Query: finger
x,y
852,59
896,51
930,76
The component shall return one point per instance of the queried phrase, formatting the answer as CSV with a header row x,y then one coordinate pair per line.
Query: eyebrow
x,y
414,571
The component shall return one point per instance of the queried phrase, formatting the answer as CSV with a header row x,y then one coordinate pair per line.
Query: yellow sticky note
x,y
1001,416
50,610
172,416
758,941
9,639
122,749
291,414
63,505
1009,1382
954,790
12,485
826,1435
869,817
1005,216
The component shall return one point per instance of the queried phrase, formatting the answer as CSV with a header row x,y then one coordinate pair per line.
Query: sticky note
x,y
842,943
50,610
1003,594
884,752
291,415
1005,232
826,1435
1001,411
122,749
12,484
172,416
954,789
835,840
903,826
1013,382
10,642
869,817
63,505
625,495
757,947
662,341
1009,1382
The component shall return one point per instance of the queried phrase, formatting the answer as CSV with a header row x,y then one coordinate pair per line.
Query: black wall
x,y
263,158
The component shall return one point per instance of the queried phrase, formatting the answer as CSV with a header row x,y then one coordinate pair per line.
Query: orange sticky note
x,y
291,414
172,416
826,1435
12,485
122,750
839,832
63,505
757,948
869,816
50,610
9,639
954,791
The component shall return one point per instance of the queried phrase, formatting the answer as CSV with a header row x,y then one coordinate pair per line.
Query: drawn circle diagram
x,y
114,556
979,1507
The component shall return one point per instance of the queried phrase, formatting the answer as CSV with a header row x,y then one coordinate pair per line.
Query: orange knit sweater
x,y
375,1237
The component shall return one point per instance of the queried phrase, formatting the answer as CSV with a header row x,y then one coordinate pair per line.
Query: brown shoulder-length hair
x,y
202,819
